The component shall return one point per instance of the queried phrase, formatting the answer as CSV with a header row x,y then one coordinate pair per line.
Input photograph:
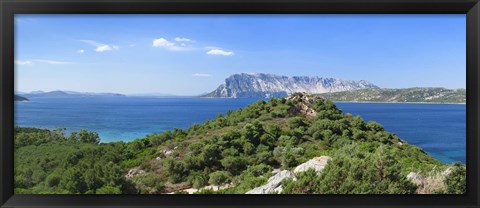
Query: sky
x,y
193,54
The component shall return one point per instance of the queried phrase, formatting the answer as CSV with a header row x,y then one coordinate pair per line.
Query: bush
x,y
295,122
456,181
219,177
234,165
197,179
109,190
176,169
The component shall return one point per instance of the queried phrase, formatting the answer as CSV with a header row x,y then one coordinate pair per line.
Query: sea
x,y
439,129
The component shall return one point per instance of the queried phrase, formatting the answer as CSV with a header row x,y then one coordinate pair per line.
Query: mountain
x,y
19,98
418,94
301,144
261,85
67,94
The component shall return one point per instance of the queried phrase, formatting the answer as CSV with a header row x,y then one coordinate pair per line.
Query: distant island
x,y
66,94
19,98
260,85
417,94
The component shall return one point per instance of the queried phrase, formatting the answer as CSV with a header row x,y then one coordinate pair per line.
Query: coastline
x,y
382,102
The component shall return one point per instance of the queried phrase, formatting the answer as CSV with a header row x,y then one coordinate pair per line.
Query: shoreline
x,y
383,102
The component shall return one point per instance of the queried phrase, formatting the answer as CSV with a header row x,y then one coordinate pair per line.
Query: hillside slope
x,y
418,94
19,98
239,152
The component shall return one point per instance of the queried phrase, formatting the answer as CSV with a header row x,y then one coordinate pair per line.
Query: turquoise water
x,y
439,129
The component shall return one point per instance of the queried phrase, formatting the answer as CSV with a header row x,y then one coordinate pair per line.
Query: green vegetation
x,y
239,150
418,94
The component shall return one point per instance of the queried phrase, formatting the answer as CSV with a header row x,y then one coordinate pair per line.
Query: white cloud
x,y
201,75
81,51
19,62
164,43
179,39
52,62
101,47
220,52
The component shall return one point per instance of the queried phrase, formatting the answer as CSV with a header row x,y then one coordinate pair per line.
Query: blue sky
x,y
193,54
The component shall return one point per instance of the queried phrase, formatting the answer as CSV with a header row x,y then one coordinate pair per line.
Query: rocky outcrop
x,y
431,182
261,85
416,178
304,107
317,163
274,184
168,152
134,172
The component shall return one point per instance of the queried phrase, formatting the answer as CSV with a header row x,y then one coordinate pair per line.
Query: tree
x,y
374,126
234,165
358,122
295,122
176,169
85,136
456,181
219,177
253,132
197,179
73,182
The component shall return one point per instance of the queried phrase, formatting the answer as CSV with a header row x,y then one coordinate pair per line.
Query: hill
x,y
67,94
269,85
296,144
418,94
19,98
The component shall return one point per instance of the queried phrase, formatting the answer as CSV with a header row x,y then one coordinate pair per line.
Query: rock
x,y
278,189
399,143
275,171
416,178
317,163
134,172
211,187
274,183
167,153
262,85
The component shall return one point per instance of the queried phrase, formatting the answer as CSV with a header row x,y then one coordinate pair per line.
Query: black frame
x,y
10,7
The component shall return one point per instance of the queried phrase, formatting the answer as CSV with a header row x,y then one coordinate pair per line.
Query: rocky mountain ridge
x,y
262,85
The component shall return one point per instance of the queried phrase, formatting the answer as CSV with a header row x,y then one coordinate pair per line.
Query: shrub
x,y
456,181
219,178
